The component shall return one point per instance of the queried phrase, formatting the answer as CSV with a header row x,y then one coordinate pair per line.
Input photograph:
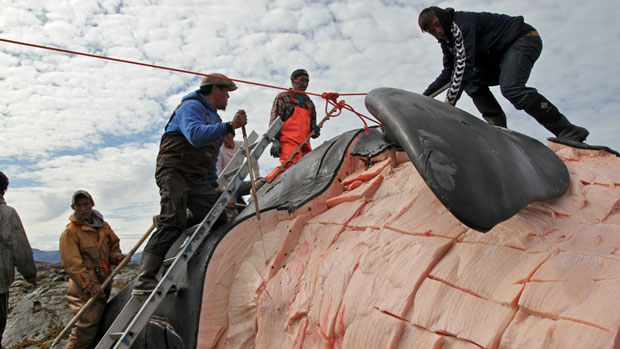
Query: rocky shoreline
x,y
37,315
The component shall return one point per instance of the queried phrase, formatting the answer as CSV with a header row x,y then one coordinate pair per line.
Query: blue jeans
x,y
511,72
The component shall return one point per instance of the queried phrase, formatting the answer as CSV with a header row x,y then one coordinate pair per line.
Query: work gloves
x,y
316,129
276,148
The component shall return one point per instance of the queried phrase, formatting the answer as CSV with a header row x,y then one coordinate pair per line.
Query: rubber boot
x,y
489,108
550,117
149,267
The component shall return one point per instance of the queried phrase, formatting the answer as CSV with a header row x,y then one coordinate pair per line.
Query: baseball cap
x,y
79,193
212,80
298,72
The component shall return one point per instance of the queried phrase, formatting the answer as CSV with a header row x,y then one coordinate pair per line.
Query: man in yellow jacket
x,y
88,247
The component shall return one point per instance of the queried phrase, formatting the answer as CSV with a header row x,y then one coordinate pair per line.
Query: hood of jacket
x,y
97,219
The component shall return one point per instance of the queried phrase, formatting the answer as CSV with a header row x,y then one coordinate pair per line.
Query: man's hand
x,y
276,148
119,259
240,119
230,205
95,291
316,129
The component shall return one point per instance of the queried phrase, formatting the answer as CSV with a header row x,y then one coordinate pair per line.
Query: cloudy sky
x,y
71,122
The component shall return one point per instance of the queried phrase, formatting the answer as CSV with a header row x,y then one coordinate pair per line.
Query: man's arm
x,y
277,109
71,260
465,41
24,260
191,119
446,74
312,112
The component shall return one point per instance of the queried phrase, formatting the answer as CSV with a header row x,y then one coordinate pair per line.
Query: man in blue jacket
x,y
482,49
186,169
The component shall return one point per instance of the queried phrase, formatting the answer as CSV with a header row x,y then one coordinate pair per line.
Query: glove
x,y
276,148
317,130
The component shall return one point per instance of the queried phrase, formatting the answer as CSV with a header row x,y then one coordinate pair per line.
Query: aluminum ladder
x,y
139,309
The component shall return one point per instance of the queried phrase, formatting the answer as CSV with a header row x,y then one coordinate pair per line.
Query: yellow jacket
x,y
84,250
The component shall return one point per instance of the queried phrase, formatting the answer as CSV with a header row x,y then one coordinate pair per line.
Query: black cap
x,y
298,72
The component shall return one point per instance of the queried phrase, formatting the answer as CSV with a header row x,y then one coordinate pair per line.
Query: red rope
x,y
330,97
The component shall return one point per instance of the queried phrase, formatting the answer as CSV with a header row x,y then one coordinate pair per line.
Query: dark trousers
x,y
180,193
4,310
511,73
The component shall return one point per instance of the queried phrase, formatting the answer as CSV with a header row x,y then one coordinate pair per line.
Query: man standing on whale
x,y
482,49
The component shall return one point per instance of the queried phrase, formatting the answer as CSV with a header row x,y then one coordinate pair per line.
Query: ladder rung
x,y
168,261
230,173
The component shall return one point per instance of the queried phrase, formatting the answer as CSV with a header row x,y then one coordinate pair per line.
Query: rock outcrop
x,y
37,315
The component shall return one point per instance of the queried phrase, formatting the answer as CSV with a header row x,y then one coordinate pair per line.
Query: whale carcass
x,y
396,242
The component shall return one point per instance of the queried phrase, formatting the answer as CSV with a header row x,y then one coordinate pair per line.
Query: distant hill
x,y
46,256
54,256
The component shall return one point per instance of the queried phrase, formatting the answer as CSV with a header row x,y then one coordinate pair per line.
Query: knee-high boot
x,y
550,117
147,281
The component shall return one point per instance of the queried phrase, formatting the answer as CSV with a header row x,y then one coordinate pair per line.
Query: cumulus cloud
x,y
72,122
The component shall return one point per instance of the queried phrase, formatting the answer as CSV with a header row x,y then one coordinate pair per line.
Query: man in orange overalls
x,y
297,111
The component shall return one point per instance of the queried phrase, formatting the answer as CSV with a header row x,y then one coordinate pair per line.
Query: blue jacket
x,y
189,120
476,39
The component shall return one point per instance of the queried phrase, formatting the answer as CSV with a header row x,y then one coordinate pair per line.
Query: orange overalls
x,y
294,130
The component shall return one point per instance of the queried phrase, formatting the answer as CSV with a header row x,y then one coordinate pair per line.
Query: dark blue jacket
x,y
477,39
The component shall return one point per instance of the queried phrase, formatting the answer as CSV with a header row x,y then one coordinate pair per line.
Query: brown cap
x,y
79,193
212,80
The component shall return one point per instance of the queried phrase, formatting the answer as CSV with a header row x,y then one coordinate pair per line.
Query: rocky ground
x,y
38,315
